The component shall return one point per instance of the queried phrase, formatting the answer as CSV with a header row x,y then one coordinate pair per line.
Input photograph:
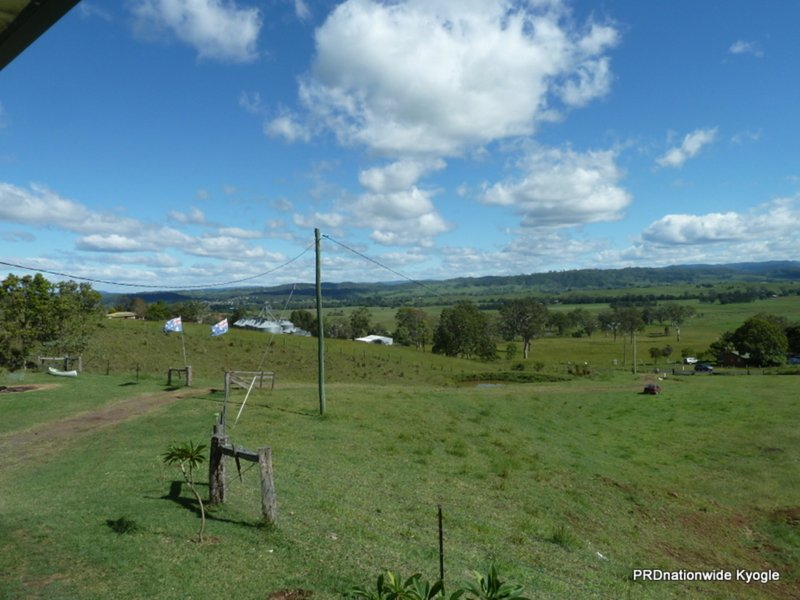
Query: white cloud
x,y
691,145
318,220
744,47
217,29
287,126
773,221
40,206
746,136
251,102
437,78
560,188
238,232
525,253
301,10
397,176
228,247
89,9
195,216
696,229
113,243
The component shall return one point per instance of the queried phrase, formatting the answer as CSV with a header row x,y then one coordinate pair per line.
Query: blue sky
x,y
172,143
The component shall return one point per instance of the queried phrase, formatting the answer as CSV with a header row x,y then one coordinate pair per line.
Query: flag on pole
x,y
220,328
173,325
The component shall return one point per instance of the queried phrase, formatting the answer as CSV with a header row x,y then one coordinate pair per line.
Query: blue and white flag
x,y
173,325
220,328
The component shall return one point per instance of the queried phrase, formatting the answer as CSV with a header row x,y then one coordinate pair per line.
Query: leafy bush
x,y
392,587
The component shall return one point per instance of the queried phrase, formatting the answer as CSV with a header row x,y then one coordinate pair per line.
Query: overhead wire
x,y
383,266
160,287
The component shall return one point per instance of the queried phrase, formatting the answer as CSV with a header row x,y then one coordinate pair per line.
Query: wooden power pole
x,y
320,330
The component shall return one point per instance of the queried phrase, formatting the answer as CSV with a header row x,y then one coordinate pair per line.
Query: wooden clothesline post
x,y
222,447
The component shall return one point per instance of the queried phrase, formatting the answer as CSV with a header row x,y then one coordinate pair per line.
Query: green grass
x,y
537,477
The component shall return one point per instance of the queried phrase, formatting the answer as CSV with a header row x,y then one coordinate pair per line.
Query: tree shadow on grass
x,y
191,505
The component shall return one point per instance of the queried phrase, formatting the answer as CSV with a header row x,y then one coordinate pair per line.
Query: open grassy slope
x,y
119,346
567,486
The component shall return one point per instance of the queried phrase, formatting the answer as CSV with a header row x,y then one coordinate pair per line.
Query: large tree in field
x,y
523,317
36,314
676,314
413,327
464,331
360,322
763,339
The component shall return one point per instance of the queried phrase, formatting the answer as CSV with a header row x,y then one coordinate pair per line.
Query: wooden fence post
x,y
269,503
216,466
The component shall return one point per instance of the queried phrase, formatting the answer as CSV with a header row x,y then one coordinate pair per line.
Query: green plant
x,y
392,587
188,457
122,525
491,587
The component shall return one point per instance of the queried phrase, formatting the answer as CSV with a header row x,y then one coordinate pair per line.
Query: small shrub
x,y
392,587
563,537
122,525
511,351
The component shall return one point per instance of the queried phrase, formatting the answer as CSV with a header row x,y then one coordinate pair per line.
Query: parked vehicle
x,y
703,368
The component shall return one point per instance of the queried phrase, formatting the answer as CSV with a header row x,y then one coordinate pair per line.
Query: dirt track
x,y
26,444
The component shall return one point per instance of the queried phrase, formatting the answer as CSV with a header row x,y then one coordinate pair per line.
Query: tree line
x,y
39,316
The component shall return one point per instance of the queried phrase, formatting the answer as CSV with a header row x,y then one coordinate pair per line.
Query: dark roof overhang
x,y
23,21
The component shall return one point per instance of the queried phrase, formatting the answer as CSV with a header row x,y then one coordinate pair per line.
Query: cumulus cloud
x,y
776,220
436,78
289,127
744,47
696,229
40,206
113,243
228,247
217,29
399,175
560,188
400,218
691,145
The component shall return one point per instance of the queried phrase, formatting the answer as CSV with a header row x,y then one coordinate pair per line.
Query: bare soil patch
x,y
29,443
8,389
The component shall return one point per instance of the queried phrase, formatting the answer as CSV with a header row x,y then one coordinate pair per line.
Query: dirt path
x,y
32,442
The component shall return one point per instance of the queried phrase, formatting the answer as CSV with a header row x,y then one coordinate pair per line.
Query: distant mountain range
x,y
433,292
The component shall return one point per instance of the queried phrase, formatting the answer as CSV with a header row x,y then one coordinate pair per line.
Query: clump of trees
x,y
414,328
36,314
464,331
763,341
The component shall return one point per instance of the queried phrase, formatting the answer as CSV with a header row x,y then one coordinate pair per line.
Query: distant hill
x,y
575,284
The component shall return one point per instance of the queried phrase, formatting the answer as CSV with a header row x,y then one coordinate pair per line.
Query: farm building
x,y
268,322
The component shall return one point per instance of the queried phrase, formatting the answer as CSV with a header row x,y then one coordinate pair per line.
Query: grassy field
x,y
567,486
122,347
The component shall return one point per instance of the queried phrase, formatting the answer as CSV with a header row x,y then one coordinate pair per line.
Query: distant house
x,y
121,315
376,339
733,359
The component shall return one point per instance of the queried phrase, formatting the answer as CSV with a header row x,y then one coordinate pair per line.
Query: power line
x,y
383,266
159,287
